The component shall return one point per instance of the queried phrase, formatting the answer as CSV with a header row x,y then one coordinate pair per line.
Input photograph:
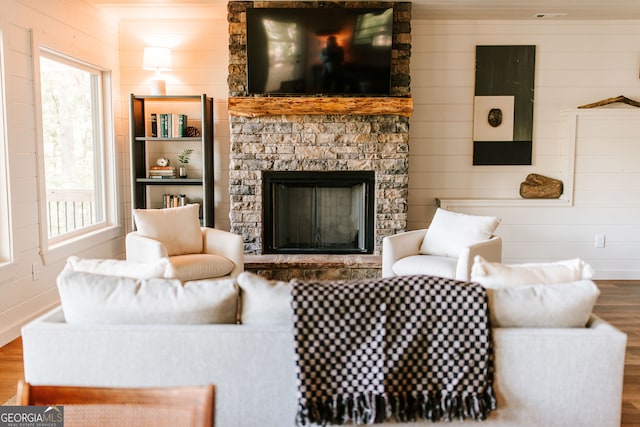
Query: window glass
x,y
72,146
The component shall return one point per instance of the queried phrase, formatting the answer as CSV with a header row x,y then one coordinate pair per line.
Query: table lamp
x,y
157,59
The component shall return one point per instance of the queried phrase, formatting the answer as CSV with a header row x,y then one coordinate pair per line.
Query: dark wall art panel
x,y
503,105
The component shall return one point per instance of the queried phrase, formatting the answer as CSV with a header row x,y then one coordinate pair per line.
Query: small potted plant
x,y
183,158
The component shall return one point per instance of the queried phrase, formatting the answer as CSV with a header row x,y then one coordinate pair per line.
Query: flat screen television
x,y
319,51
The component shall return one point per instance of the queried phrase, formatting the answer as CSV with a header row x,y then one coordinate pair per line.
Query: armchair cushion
x,y
419,264
177,228
200,266
450,232
96,298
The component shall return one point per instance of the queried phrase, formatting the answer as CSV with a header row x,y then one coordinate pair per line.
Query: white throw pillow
x,y
177,228
564,305
96,298
497,275
264,302
450,232
114,267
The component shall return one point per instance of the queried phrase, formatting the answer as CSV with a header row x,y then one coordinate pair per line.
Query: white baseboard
x,y
617,275
10,332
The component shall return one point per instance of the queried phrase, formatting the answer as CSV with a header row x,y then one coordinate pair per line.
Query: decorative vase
x,y
182,171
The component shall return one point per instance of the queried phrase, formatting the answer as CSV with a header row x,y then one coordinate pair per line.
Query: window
x,y
73,156
374,29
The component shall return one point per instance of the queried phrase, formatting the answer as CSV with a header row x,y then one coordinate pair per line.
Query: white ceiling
x,y
422,9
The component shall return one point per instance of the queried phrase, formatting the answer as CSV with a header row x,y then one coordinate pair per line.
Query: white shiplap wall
x,y
76,29
576,63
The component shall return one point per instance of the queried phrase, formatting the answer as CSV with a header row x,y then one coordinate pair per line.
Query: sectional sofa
x,y
545,376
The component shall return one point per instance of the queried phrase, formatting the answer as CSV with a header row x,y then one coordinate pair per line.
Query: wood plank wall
x,y
577,63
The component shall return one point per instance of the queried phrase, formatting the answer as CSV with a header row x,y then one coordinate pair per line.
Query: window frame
x,y
6,231
62,246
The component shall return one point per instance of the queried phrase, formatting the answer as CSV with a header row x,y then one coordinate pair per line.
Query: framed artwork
x,y
503,105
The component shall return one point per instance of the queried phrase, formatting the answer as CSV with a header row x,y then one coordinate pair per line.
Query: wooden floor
x,y
619,304
11,368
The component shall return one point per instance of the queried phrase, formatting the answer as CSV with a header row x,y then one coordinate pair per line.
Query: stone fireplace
x,y
318,134
318,143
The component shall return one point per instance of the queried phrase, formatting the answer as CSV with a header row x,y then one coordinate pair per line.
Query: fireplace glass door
x,y
319,212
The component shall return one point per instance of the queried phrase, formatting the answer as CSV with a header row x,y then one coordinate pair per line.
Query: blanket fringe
x,y
372,408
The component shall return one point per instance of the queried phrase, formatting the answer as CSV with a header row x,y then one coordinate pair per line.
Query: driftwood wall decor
x,y
622,99
540,187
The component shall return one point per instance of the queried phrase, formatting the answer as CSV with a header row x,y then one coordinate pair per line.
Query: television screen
x,y
319,51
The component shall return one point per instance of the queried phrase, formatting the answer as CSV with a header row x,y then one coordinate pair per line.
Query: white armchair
x,y
446,249
194,252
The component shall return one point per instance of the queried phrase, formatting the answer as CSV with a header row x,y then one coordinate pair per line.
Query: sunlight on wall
x,y
5,213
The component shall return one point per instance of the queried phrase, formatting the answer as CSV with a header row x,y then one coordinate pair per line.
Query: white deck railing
x,y
69,210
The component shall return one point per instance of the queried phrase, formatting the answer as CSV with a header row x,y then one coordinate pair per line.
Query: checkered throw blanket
x,y
401,349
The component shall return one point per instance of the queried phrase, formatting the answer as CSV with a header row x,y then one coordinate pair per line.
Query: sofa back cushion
x,y
496,275
264,302
96,298
556,294
177,228
450,232
115,267
562,305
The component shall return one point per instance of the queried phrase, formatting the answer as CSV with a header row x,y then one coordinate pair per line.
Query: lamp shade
x,y
156,58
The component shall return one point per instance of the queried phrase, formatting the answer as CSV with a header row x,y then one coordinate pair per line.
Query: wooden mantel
x,y
266,106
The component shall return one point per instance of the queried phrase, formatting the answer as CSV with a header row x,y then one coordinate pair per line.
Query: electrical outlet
x,y
600,240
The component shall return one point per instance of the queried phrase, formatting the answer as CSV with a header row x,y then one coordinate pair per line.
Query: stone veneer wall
x,y
318,142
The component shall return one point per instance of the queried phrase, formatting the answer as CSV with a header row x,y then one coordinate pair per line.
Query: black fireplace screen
x,y
319,212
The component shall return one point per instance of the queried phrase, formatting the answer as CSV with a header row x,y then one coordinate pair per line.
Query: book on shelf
x,y
179,123
174,200
164,126
154,125
172,125
162,172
